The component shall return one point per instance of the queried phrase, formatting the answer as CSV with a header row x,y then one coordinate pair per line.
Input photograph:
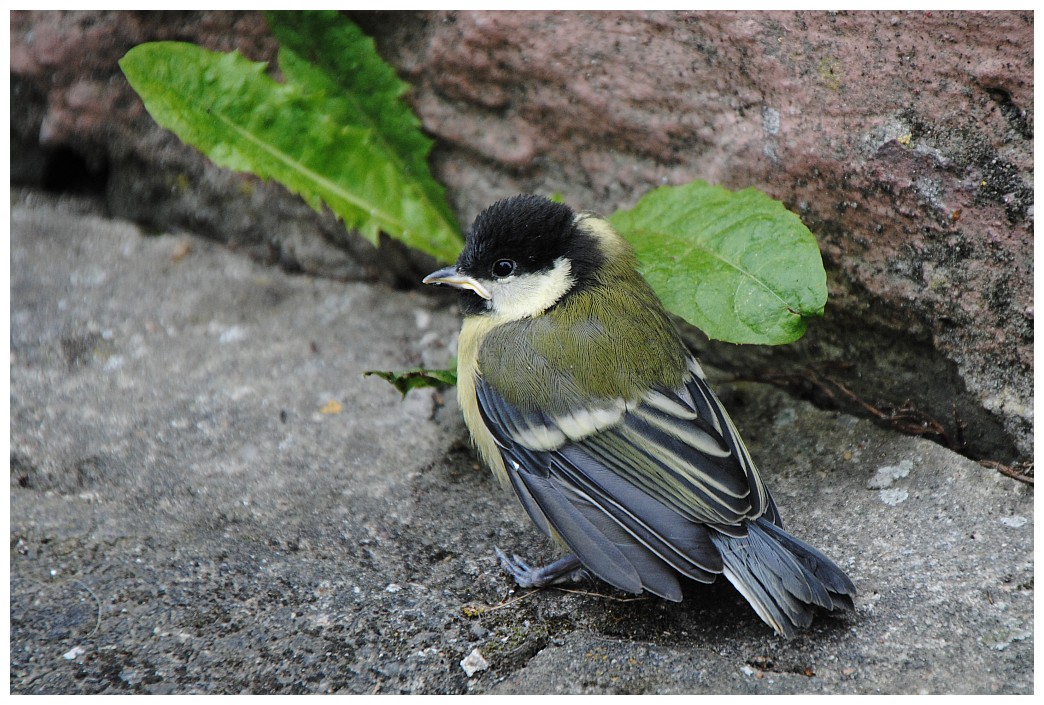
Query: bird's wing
x,y
631,487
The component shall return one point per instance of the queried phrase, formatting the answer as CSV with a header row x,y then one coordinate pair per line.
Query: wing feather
x,y
631,487
615,517
597,551
708,405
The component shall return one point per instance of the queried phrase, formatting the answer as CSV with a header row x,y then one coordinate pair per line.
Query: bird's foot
x,y
563,570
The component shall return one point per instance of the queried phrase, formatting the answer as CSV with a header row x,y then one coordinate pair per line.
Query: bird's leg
x,y
563,570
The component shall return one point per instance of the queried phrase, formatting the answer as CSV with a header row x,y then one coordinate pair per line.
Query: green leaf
x,y
416,379
231,110
737,265
328,53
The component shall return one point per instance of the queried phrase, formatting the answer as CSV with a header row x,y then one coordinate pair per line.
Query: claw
x,y
525,576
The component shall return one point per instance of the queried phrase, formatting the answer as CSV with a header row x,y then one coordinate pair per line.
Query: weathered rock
x,y
903,139
191,514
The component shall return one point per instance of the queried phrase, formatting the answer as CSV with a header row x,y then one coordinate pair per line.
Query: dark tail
x,y
782,577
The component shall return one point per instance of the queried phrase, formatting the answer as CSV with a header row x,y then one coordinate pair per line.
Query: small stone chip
x,y
474,662
77,651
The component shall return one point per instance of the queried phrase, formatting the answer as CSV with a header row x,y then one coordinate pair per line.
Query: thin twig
x,y
905,419
639,598
483,609
47,585
97,626
1026,475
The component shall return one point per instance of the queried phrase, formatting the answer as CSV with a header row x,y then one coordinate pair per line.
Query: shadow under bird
x,y
581,396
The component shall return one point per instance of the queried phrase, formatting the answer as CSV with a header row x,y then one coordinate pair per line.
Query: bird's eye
x,y
503,268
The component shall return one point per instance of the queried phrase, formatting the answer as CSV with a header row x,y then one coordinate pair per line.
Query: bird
x,y
582,398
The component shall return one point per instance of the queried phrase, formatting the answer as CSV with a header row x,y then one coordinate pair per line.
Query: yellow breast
x,y
473,331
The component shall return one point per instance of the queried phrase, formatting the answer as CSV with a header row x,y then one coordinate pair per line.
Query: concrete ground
x,y
208,496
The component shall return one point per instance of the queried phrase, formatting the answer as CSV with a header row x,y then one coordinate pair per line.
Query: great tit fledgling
x,y
581,397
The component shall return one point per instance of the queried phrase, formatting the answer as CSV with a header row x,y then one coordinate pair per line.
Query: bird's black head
x,y
530,232
522,255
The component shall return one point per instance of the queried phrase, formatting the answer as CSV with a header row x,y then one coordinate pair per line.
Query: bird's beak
x,y
449,276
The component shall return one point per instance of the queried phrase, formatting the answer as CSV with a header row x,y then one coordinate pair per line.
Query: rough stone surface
x,y
191,514
903,139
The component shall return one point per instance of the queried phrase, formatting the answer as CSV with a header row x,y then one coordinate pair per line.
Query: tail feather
x,y
840,586
783,578
785,568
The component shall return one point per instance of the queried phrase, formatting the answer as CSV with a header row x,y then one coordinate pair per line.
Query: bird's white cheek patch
x,y
530,295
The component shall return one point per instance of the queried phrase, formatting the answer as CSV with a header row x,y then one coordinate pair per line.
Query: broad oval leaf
x,y
737,265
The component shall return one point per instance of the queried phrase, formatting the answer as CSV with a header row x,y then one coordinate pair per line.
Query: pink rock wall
x,y
903,139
